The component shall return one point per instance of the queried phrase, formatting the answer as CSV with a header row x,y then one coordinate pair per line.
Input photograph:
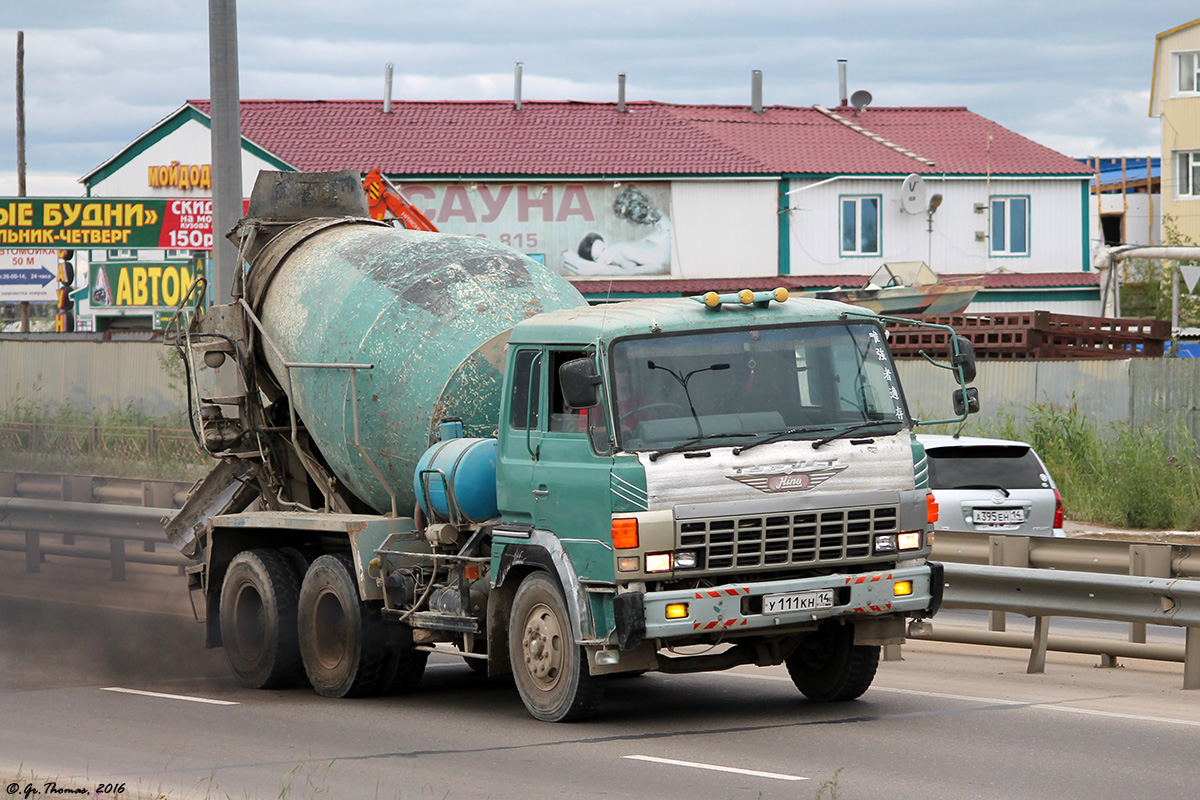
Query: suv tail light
x,y
1058,509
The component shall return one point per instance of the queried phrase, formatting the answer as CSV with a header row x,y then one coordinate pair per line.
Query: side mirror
x,y
580,383
965,358
966,404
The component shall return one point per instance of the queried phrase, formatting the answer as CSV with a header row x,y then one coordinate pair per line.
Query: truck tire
x,y
406,664
550,670
343,642
829,667
258,619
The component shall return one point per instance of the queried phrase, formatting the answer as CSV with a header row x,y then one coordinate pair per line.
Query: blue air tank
x,y
432,312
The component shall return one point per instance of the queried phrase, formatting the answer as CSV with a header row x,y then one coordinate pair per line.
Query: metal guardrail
x,y
1142,583
1135,582
73,515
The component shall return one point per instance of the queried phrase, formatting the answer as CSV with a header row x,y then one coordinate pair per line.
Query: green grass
x,y
1120,475
112,442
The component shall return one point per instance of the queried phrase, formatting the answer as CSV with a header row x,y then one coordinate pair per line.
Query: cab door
x,y
520,436
572,496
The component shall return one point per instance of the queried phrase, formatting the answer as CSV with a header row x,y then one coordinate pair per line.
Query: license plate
x,y
797,601
998,516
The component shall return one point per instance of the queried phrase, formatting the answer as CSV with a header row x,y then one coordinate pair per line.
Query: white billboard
x,y
28,275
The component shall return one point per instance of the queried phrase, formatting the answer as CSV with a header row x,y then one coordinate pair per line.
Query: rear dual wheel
x,y
347,649
258,619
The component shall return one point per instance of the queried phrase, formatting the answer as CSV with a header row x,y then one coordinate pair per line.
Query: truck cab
x,y
694,471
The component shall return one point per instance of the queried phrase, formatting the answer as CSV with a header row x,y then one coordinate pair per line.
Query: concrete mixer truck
x,y
436,446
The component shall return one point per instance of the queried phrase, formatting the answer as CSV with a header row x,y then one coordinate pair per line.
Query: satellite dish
x,y
912,195
860,99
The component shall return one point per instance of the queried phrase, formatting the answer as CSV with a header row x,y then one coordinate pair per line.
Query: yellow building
x,y
1175,99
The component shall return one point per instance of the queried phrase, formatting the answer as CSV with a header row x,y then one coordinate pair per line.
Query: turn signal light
x,y
931,508
625,534
902,588
677,610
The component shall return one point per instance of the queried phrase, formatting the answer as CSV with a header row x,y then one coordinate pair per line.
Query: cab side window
x,y
563,418
526,390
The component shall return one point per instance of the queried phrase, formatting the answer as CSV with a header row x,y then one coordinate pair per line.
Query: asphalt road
x,y
949,721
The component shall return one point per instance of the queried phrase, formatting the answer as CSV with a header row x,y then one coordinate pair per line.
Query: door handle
x,y
541,492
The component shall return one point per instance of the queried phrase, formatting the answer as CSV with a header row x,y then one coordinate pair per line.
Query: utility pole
x,y
21,147
226,130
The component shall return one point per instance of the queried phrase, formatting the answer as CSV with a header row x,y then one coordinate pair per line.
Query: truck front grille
x,y
805,538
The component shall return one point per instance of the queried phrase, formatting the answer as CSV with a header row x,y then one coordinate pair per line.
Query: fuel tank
x,y
429,312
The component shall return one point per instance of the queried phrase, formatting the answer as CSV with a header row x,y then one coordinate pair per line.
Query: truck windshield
x,y
727,388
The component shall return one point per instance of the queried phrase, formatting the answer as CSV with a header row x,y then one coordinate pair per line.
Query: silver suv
x,y
991,486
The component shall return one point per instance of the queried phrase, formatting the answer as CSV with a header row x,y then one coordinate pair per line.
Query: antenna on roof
x,y
517,86
860,100
387,88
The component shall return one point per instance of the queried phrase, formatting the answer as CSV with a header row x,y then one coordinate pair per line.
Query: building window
x,y
1187,174
176,254
115,254
1187,73
860,226
1010,226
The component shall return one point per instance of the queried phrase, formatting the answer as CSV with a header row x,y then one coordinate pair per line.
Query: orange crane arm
x,y
383,197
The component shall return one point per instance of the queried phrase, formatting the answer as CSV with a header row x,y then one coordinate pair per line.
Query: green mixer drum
x,y
432,312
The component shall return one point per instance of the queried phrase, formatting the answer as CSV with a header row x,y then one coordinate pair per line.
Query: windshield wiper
x,y
774,437
685,445
854,429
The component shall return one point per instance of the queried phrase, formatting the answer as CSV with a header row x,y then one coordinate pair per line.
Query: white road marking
x,y
755,773
993,701
170,696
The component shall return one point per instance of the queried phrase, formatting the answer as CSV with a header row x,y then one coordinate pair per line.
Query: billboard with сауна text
x,y
576,229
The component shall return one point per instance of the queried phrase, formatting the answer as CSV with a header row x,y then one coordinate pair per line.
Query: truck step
x,y
444,622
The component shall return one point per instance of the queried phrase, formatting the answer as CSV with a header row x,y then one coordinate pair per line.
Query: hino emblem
x,y
788,477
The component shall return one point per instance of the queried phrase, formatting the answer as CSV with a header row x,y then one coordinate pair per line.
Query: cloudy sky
x,y
98,73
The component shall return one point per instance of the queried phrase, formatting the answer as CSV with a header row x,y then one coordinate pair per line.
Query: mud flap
x,y
629,609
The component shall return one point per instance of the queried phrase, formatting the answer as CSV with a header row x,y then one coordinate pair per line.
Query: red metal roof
x,y
568,138
996,280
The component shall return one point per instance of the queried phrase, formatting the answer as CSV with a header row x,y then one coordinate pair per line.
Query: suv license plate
x,y
797,601
998,516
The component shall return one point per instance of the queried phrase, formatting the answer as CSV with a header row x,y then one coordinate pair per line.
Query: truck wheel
x,y
828,666
342,639
258,619
550,670
406,664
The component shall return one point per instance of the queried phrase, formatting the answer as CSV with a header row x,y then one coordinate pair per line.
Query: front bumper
x,y
737,607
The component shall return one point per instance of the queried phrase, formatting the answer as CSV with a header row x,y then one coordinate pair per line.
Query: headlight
x,y
658,562
685,559
885,543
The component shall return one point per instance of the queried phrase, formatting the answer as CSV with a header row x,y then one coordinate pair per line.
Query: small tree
x,y
1146,283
